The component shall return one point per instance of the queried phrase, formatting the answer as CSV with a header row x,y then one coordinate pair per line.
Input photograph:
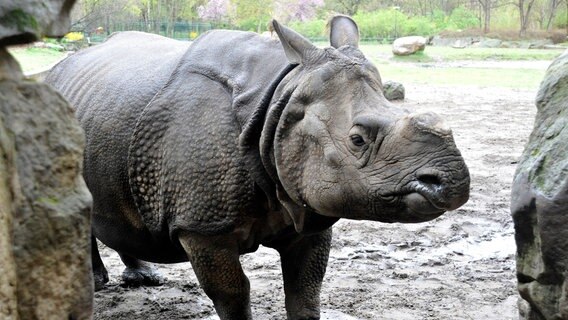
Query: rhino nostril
x,y
429,179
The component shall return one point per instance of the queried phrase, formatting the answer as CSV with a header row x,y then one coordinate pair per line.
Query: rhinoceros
x,y
203,152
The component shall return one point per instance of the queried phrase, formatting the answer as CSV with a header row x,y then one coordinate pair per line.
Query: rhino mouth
x,y
424,198
418,202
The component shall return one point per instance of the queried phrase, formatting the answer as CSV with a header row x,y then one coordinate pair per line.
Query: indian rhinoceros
x,y
203,152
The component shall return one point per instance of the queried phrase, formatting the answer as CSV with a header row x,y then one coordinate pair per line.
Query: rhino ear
x,y
343,31
297,48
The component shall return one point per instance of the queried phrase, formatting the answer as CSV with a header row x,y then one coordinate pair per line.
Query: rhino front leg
x,y
304,260
215,261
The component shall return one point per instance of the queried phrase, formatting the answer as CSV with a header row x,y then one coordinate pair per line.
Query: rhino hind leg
x,y
139,273
100,274
215,261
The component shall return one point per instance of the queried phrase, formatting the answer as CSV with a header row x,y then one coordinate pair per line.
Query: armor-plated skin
x,y
205,152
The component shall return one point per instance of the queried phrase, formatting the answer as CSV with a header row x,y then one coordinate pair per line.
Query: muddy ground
x,y
459,266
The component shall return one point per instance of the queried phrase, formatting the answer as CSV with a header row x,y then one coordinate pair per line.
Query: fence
x,y
187,30
181,30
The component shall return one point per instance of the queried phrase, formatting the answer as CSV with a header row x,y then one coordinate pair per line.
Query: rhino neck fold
x,y
306,220
250,140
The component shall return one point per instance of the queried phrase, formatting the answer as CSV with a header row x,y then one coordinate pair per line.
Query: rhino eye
x,y
357,140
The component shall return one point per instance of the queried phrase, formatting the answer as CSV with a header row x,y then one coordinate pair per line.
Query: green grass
x,y
32,59
452,54
408,69
505,78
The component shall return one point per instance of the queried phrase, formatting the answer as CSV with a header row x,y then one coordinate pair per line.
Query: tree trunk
x,y
485,6
487,18
552,13
158,19
524,13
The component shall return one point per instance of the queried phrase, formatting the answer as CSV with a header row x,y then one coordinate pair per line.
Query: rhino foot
x,y
143,276
100,276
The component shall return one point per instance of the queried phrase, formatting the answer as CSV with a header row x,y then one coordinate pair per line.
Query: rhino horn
x,y
297,48
343,31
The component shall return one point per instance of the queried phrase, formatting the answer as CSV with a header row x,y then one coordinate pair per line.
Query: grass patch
x,y
410,72
506,78
419,56
452,54
32,59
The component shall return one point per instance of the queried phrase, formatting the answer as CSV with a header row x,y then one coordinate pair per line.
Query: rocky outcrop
x,y
44,204
25,21
408,45
539,203
393,90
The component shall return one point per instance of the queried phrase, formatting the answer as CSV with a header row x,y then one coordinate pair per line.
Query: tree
x,y
487,7
348,7
552,7
90,15
214,10
297,10
525,7
253,11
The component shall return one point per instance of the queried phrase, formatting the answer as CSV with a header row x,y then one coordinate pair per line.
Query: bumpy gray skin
x,y
203,153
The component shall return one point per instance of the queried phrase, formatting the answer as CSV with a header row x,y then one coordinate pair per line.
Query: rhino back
x,y
117,77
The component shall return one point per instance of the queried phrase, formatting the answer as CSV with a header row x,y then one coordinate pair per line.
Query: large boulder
x,y
539,203
44,204
408,45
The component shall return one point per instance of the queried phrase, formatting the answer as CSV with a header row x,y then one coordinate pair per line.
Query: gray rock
x,y
25,21
489,43
540,44
539,202
49,203
408,45
44,204
456,42
393,90
8,302
510,44
460,44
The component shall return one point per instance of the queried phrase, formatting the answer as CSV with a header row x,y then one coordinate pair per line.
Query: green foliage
x,y
253,15
253,24
561,19
505,18
419,26
461,19
311,29
392,23
380,24
439,19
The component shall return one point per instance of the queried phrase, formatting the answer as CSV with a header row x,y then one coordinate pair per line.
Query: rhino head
x,y
339,149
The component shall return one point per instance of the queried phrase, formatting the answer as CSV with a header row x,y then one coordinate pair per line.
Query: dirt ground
x,y
459,266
